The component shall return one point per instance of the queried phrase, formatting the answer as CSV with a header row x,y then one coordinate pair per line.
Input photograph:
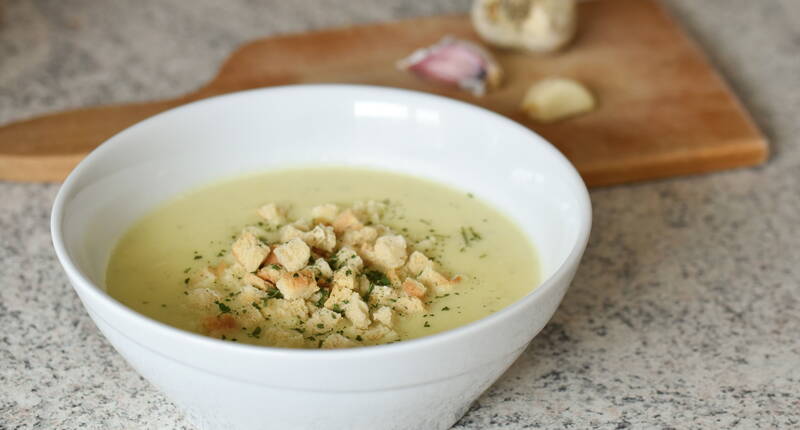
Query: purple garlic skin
x,y
455,62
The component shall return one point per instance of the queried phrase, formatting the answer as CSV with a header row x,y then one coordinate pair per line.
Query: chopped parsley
x,y
197,257
223,308
469,235
324,294
256,332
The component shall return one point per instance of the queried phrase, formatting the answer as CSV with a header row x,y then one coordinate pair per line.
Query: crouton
x,y
346,257
436,281
286,313
336,341
298,285
413,288
321,237
217,325
303,224
409,305
393,275
370,210
322,269
344,283
384,315
203,299
363,285
357,311
346,220
203,278
246,296
256,281
354,238
336,300
249,251
282,337
379,333
293,255
324,213
272,214
271,272
390,251
383,296
417,262
289,232
322,320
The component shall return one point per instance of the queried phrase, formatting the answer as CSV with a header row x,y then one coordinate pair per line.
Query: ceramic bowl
x,y
426,383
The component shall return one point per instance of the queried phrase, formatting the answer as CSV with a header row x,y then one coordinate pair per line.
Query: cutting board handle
x,y
65,138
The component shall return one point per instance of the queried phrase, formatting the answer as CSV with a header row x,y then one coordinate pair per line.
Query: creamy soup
x,y
267,259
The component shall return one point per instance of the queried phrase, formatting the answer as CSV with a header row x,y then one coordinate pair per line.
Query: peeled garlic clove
x,y
455,62
534,25
553,99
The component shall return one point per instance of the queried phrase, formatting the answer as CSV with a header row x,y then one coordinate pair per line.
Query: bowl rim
x,y
82,284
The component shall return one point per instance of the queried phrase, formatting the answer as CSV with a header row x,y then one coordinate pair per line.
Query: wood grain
x,y
663,110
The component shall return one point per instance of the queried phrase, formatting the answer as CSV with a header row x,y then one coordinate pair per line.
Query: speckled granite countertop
x,y
684,314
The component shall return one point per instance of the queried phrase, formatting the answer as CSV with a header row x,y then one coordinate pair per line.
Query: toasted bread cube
x,y
272,214
203,299
338,297
390,251
436,281
322,320
298,285
370,210
354,238
321,237
393,275
336,341
231,276
384,315
325,213
322,269
357,311
345,278
379,333
289,232
383,296
255,281
271,272
203,278
282,337
346,257
409,305
346,220
293,255
417,262
247,295
303,224
285,313
249,251
414,288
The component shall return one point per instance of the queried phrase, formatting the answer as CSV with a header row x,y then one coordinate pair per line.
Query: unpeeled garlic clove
x,y
455,62
553,99
533,25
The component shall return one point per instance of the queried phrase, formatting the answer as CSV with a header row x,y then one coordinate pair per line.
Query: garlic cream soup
x,y
492,261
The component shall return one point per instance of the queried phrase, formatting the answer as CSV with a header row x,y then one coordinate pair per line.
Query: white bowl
x,y
426,383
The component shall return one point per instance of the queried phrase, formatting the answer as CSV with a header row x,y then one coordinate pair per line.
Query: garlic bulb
x,y
533,25
455,62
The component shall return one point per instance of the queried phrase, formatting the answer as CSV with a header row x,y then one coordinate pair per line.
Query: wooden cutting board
x,y
663,111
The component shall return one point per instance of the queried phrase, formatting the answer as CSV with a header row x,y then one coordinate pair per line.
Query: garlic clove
x,y
533,25
455,62
553,99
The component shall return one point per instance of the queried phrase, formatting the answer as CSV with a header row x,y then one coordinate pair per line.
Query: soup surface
x,y
177,263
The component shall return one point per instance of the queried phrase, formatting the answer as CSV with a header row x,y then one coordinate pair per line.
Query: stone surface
x,y
685,312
